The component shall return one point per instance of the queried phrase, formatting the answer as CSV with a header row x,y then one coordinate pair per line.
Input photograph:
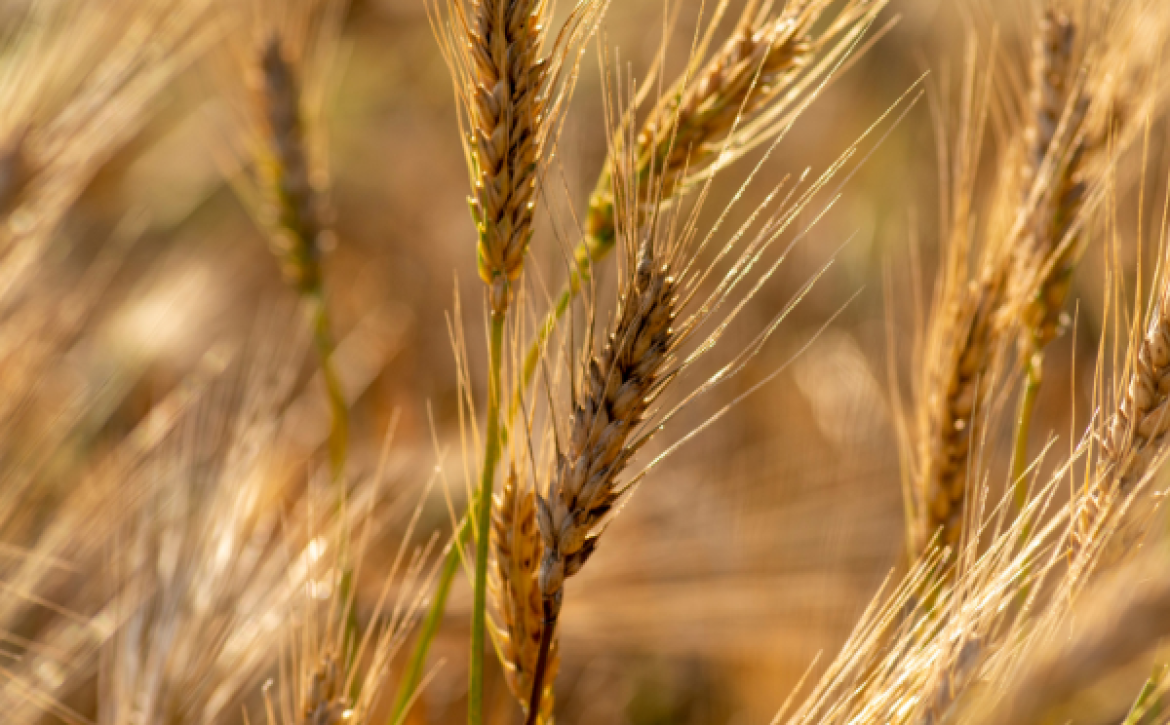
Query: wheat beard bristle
x,y
296,242
621,384
324,699
1053,89
1135,434
685,135
507,114
516,594
949,443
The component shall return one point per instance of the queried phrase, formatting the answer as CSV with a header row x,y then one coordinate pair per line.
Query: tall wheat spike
x,y
966,337
743,95
512,84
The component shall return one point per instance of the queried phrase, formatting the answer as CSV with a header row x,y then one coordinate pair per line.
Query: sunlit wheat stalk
x,y
511,84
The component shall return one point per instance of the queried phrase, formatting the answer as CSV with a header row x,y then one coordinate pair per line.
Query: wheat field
x,y
606,361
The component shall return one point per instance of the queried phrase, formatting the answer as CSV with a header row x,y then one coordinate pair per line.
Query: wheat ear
x,y
1055,139
620,384
962,386
296,241
507,116
965,338
1134,435
515,591
687,130
297,228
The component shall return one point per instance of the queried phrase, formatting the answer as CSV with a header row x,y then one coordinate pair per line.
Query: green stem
x,y
1032,377
483,517
1143,706
338,447
1033,368
339,416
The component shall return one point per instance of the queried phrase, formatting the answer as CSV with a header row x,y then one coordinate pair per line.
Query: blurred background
x,y
750,552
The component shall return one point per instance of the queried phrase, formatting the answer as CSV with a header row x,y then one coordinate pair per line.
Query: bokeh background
x,y
750,552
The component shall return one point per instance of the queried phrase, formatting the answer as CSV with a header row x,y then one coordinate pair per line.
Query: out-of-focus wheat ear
x,y
1123,620
515,592
295,209
324,701
965,338
1053,173
294,205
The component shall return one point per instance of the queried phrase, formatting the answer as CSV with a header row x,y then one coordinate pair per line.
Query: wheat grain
x,y
962,388
516,594
622,381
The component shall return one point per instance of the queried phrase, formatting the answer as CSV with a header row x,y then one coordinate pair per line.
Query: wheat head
x,y
296,240
516,595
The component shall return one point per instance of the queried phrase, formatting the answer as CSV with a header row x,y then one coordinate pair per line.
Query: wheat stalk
x,y
515,593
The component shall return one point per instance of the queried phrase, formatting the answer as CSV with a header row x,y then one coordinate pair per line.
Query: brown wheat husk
x,y
967,336
622,381
512,84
